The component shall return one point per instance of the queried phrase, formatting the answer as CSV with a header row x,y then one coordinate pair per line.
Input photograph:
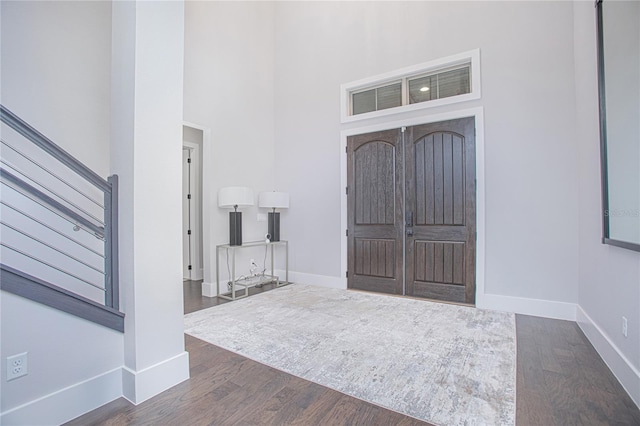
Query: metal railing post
x,y
112,296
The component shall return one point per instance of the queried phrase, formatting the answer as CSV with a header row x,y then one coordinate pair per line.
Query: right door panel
x,y
441,210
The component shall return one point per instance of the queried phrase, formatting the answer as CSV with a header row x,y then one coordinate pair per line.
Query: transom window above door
x,y
444,81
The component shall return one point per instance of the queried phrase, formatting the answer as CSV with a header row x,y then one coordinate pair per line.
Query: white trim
x,y
138,386
621,367
68,403
478,114
527,306
208,289
472,56
313,279
206,173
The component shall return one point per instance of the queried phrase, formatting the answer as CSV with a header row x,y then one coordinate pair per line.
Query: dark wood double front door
x,y
412,212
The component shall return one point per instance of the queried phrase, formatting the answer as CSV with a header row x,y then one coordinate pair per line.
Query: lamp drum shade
x,y
232,196
273,200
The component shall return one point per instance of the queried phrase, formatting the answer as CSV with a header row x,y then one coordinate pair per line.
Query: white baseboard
x,y
526,306
196,275
626,373
520,305
209,289
313,279
138,386
68,403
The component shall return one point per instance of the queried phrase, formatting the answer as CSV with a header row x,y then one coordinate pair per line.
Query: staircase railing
x,y
59,223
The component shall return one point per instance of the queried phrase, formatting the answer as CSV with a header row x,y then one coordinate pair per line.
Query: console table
x,y
262,279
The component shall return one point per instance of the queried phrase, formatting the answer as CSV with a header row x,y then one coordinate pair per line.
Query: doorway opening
x,y
192,244
411,211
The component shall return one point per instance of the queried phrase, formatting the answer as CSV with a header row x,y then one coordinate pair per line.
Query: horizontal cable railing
x,y
51,173
58,218
50,190
50,203
41,223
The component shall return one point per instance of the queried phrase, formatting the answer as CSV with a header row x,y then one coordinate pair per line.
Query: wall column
x,y
146,152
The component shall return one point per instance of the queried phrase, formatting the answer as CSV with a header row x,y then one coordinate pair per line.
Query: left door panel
x,y
375,206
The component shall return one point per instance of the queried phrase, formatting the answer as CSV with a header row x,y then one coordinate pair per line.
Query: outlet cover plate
x,y
17,366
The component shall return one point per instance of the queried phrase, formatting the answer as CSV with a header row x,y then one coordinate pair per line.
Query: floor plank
x,y
561,380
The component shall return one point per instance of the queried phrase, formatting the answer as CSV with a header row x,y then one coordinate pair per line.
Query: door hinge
x,y
188,160
346,149
188,231
346,233
346,274
346,190
188,196
189,267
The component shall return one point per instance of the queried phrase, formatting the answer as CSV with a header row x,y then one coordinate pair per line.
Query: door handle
x,y
409,223
409,219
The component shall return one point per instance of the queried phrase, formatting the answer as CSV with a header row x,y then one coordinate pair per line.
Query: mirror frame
x,y
604,166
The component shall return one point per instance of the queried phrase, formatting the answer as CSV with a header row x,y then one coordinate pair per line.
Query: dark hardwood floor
x,y
193,298
561,380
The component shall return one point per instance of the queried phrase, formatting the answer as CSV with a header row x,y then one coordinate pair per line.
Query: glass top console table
x,y
253,281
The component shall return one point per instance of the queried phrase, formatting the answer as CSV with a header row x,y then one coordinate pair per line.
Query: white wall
x,y
528,100
228,88
609,277
55,75
70,361
56,59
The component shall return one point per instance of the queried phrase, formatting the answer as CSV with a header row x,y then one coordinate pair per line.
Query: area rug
x,y
445,364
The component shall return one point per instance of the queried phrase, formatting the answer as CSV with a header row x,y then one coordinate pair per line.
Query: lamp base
x,y
235,228
274,226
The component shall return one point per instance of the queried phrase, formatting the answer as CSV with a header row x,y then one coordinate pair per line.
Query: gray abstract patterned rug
x,y
445,364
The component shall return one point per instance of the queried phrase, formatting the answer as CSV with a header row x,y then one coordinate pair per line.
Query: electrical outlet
x,y
624,326
17,366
